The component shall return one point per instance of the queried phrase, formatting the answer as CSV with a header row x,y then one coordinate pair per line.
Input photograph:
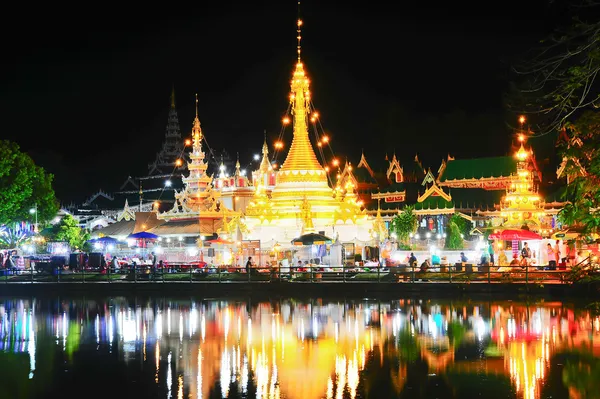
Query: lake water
x,y
117,347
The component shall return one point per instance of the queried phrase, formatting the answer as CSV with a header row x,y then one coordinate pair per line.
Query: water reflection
x,y
312,349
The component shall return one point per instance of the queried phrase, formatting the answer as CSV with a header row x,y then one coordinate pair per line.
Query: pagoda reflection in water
x,y
313,349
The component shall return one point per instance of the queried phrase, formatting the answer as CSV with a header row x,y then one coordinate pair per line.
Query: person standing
x,y
248,264
557,252
526,252
154,263
551,257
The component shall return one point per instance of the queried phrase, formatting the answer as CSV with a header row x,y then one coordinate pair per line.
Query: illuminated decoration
x,y
126,214
197,195
302,179
379,230
306,217
521,204
236,190
198,200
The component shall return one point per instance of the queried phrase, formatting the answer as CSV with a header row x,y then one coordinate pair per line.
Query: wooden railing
x,y
458,273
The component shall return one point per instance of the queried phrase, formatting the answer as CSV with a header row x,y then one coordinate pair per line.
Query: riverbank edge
x,y
225,289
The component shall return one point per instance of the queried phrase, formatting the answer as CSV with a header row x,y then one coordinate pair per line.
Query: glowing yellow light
x,y
156,203
274,166
521,137
299,22
286,120
521,119
325,139
315,114
313,119
319,144
350,167
278,144
178,162
143,226
326,168
188,142
335,162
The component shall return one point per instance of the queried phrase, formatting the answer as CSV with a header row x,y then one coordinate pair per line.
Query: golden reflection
x,y
299,350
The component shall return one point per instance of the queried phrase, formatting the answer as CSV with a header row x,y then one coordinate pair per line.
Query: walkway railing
x,y
458,273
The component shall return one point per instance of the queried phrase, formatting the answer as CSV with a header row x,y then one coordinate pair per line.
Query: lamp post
x,y
35,211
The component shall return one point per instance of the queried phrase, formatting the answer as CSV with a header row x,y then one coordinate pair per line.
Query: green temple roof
x,y
459,169
393,188
476,198
557,195
434,202
362,175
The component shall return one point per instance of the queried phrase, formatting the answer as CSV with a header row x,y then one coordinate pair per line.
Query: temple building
x,y
198,210
522,204
236,190
164,173
302,199
264,176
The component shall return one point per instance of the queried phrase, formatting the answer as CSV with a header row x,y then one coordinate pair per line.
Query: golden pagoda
x,y
302,180
521,204
198,209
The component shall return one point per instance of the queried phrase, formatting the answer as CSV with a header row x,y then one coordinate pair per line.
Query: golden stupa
x,y
302,180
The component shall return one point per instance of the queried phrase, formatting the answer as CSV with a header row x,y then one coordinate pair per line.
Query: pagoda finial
x,y
299,32
141,195
237,165
265,148
173,97
196,130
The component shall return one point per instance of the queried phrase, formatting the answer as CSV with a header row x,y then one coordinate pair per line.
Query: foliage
x,y
464,225
487,230
404,224
456,333
453,232
559,80
13,236
408,346
23,186
582,153
581,373
68,230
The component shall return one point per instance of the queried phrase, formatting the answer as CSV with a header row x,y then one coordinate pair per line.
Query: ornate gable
x,y
434,191
363,164
395,173
429,179
126,214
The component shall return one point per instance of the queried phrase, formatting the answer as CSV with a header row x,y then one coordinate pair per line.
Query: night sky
x,y
86,91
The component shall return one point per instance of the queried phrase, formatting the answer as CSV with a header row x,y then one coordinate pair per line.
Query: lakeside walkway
x,y
383,281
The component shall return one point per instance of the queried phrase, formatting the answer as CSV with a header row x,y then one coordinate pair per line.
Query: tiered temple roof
x,y
492,173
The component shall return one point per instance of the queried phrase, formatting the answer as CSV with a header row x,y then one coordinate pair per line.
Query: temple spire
x,y
301,155
237,165
265,166
173,97
299,33
141,195
196,130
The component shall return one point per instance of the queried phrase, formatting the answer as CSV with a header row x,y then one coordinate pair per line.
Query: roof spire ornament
x,y
173,97
299,33
237,165
196,130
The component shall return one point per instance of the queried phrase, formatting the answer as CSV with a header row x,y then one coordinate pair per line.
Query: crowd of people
x,y
555,255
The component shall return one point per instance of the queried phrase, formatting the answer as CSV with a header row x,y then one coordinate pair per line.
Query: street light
x,y
35,211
